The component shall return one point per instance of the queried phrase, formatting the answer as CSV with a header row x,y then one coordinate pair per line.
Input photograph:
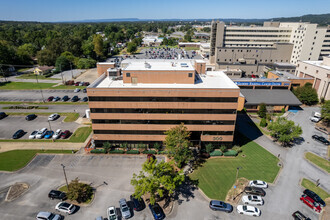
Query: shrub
x,y
262,110
268,117
216,153
223,148
263,123
238,149
283,110
162,152
230,153
209,148
98,151
116,152
106,146
158,146
132,152
149,152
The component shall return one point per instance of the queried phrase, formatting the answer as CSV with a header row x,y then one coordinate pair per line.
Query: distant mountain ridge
x,y
322,19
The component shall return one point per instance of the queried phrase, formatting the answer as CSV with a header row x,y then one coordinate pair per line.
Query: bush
x,y
98,151
223,148
149,152
283,110
216,153
268,117
263,123
230,153
262,110
162,152
116,152
132,152
209,148
238,149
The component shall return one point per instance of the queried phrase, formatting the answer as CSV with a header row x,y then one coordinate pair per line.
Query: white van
x,y
316,117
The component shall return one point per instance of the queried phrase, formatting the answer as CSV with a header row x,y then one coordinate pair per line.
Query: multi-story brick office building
x,y
152,96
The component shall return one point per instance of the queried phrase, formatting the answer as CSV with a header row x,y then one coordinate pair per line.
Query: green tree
x,y
62,63
158,146
284,130
178,145
306,94
263,122
206,29
131,47
209,148
98,45
86,63
156,179
46,57
106,146
325,111
262,110
80,192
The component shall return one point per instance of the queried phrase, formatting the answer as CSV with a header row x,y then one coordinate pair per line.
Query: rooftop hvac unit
x,y
147,65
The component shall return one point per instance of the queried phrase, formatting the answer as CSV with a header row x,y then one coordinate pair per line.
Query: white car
x,y
48,216
258,183
41,133
65,207
112,215
252,200
33,134
315,119
52,117
77,90
57,134
248,210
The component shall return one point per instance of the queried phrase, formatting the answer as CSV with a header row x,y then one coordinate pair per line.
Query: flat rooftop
x,y
212,80
157,64
260,80
317,63
286,75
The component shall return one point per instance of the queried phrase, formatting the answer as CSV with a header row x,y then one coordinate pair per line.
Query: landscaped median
x,y
307,184
69,116
318,161
217,175
31,86
16,159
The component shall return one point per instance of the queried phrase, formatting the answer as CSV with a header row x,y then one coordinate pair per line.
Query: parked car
x,y
18,134
2,115
316,117
138,203
252,200
65,134
258,183
41,133
33,134
112,214
81,83
75,98
124,209
56,99
49,134
86,84
65,98
48,216
57,134
311,203
99,218
84,90
320,139
314,196
76,90
65,207
217,205
76,84
53,117
56,194
157,211
254,191
85,99
299,216
30,117
50,98
248,210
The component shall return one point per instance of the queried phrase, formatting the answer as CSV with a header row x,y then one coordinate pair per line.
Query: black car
x,y
217,205
18,134
254,191
75,98
65,98
138,203
55,194
299,216
320,139
85,99
157,211
314,196
84,90
2,115
30,117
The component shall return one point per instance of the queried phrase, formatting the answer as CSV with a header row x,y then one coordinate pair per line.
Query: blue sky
x,y
69,10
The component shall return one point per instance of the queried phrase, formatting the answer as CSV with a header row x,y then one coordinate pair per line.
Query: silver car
x,y
125,212
48,216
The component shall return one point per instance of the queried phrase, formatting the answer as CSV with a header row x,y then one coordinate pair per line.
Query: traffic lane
x,y
12,123
37,95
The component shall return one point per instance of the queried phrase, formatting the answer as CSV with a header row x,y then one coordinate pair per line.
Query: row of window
x,y
244,30
163,111
257,40
148,132
189,122
161,99
129,74
251,35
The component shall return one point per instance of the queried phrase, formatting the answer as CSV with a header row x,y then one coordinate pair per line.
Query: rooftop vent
x,y
147,65
184,65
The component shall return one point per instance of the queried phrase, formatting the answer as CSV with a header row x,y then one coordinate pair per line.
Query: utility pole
x,y
66,179
61,74
50,128
71,71
3,73
42,95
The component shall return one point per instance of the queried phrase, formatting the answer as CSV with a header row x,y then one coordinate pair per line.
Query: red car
x,y
50,98
311,203
86,83
65,134
77,84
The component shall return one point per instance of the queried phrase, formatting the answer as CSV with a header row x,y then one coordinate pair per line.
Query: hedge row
x,y
149,152
132,152
216,153
230,153
116,152
98,151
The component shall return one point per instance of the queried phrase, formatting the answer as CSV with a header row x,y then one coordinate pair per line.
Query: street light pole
x,y
66,180
42,95
71,70
237,171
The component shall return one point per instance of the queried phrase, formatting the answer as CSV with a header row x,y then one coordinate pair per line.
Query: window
x,y
128,75
190,74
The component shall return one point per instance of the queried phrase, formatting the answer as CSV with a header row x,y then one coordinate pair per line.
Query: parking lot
x,y
12,123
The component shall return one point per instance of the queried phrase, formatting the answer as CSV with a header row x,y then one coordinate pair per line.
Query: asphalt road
x,y
10,124
36,95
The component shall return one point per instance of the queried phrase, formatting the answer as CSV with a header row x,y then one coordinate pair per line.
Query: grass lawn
x,y
217,176
30,85
33,76
190,48
318,161
80,135
307,184
16,159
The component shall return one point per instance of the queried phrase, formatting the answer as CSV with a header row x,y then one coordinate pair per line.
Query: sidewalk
x,y
7,146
